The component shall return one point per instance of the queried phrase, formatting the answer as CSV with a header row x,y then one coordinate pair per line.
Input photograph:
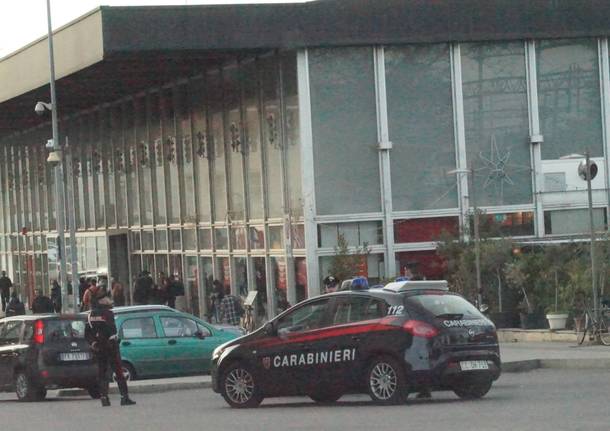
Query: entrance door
x,y
119,260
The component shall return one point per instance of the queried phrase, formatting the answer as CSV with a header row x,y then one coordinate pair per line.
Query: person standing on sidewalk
x,y
56,296
101,333
5,289
118,293
229,309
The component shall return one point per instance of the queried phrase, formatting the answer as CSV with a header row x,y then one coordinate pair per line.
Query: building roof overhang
x,y
115,51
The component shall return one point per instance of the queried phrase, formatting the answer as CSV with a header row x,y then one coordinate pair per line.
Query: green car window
x,y
141,327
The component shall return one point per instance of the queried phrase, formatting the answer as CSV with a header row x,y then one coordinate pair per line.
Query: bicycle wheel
x,y
604,332
582,331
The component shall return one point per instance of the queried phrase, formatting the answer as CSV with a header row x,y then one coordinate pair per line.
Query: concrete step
x,y
512,335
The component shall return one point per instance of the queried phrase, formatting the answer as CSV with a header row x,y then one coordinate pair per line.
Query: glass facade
x,y
168,181
203,176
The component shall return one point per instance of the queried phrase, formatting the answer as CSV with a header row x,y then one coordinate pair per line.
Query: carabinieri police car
x,y
408,336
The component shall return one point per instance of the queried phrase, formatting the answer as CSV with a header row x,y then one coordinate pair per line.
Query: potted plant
x,y
557,318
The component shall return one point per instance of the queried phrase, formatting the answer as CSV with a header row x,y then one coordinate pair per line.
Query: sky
x,y
25,21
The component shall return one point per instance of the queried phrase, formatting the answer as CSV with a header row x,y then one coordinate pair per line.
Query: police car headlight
x,y
220,350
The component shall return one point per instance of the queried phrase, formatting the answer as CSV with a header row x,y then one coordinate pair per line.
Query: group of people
x,y
41,304
11,305
88,286
164,292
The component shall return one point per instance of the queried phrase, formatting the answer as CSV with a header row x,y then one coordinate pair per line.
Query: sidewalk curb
x,y
142,389
556,364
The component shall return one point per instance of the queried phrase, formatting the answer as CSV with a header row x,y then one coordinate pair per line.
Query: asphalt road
x,y
540,400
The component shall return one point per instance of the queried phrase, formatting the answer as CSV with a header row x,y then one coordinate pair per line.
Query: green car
x,y
158,341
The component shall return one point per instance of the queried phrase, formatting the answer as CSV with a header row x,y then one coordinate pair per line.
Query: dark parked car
x,y
40,352
410,336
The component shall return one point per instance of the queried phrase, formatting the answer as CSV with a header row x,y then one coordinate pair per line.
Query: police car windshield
x,y
443,306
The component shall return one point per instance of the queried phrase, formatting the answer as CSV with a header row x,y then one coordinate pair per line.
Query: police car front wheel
x,y
239,388
386,381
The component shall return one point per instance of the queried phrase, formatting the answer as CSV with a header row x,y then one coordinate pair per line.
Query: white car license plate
x,y
81,356
474,365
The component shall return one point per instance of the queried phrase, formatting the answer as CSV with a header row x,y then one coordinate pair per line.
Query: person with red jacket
x,y
101,333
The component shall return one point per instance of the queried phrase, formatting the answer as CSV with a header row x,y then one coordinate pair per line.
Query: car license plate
x,y
474,365
81,356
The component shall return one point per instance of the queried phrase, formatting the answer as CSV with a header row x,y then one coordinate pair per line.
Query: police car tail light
x,y
420,329
39,332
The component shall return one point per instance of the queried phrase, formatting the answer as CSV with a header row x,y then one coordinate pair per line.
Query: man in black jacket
x,y
42,304
15,307
101,333
5,287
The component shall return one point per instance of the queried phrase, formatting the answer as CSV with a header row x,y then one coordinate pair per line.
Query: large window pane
x,y
185,157
569,97
496,122
120,164
291,137
202,148
131,163
144,161
215,111
157,160
344,121
170,156
271,136
253,140
420,117
233,141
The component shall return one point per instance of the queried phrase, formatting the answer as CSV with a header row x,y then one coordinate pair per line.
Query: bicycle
x,y
593,327
248,322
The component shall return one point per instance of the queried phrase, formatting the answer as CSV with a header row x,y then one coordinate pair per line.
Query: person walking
x,y
5,289
42,304
86,303
118,293
15,307
101,333
143,288
56,296
175,289
229,308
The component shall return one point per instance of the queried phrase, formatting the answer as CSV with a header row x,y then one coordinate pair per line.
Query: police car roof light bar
x,y
404,286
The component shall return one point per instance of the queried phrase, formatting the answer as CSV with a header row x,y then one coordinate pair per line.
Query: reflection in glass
x,y
420,116
569,97
158,157
496,122
161,240
344,78
222,238
257,237
276,237
238,237
205,239
144,160
241,276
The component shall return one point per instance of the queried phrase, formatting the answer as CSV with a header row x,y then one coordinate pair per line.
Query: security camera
x,y
41,107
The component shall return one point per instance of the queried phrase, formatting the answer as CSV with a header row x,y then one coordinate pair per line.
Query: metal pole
x,y
72,229
592,232
477,238
59,177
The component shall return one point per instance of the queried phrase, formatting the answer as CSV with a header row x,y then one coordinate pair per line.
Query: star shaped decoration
x,y
495,166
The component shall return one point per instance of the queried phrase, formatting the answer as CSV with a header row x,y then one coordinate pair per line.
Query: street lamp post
x,y
477,239
587,170
56,158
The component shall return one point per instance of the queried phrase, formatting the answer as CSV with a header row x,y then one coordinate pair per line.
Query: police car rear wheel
x,y
474,389
239,388
386,381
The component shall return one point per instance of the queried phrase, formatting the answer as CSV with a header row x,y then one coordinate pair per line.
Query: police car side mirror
x,y
199,335
270,329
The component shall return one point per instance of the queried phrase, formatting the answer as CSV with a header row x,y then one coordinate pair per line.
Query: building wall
x,y
483,107
202,177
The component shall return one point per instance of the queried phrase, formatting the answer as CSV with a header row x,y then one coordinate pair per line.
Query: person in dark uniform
x,y
15,307
42,304
101,333
5,287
